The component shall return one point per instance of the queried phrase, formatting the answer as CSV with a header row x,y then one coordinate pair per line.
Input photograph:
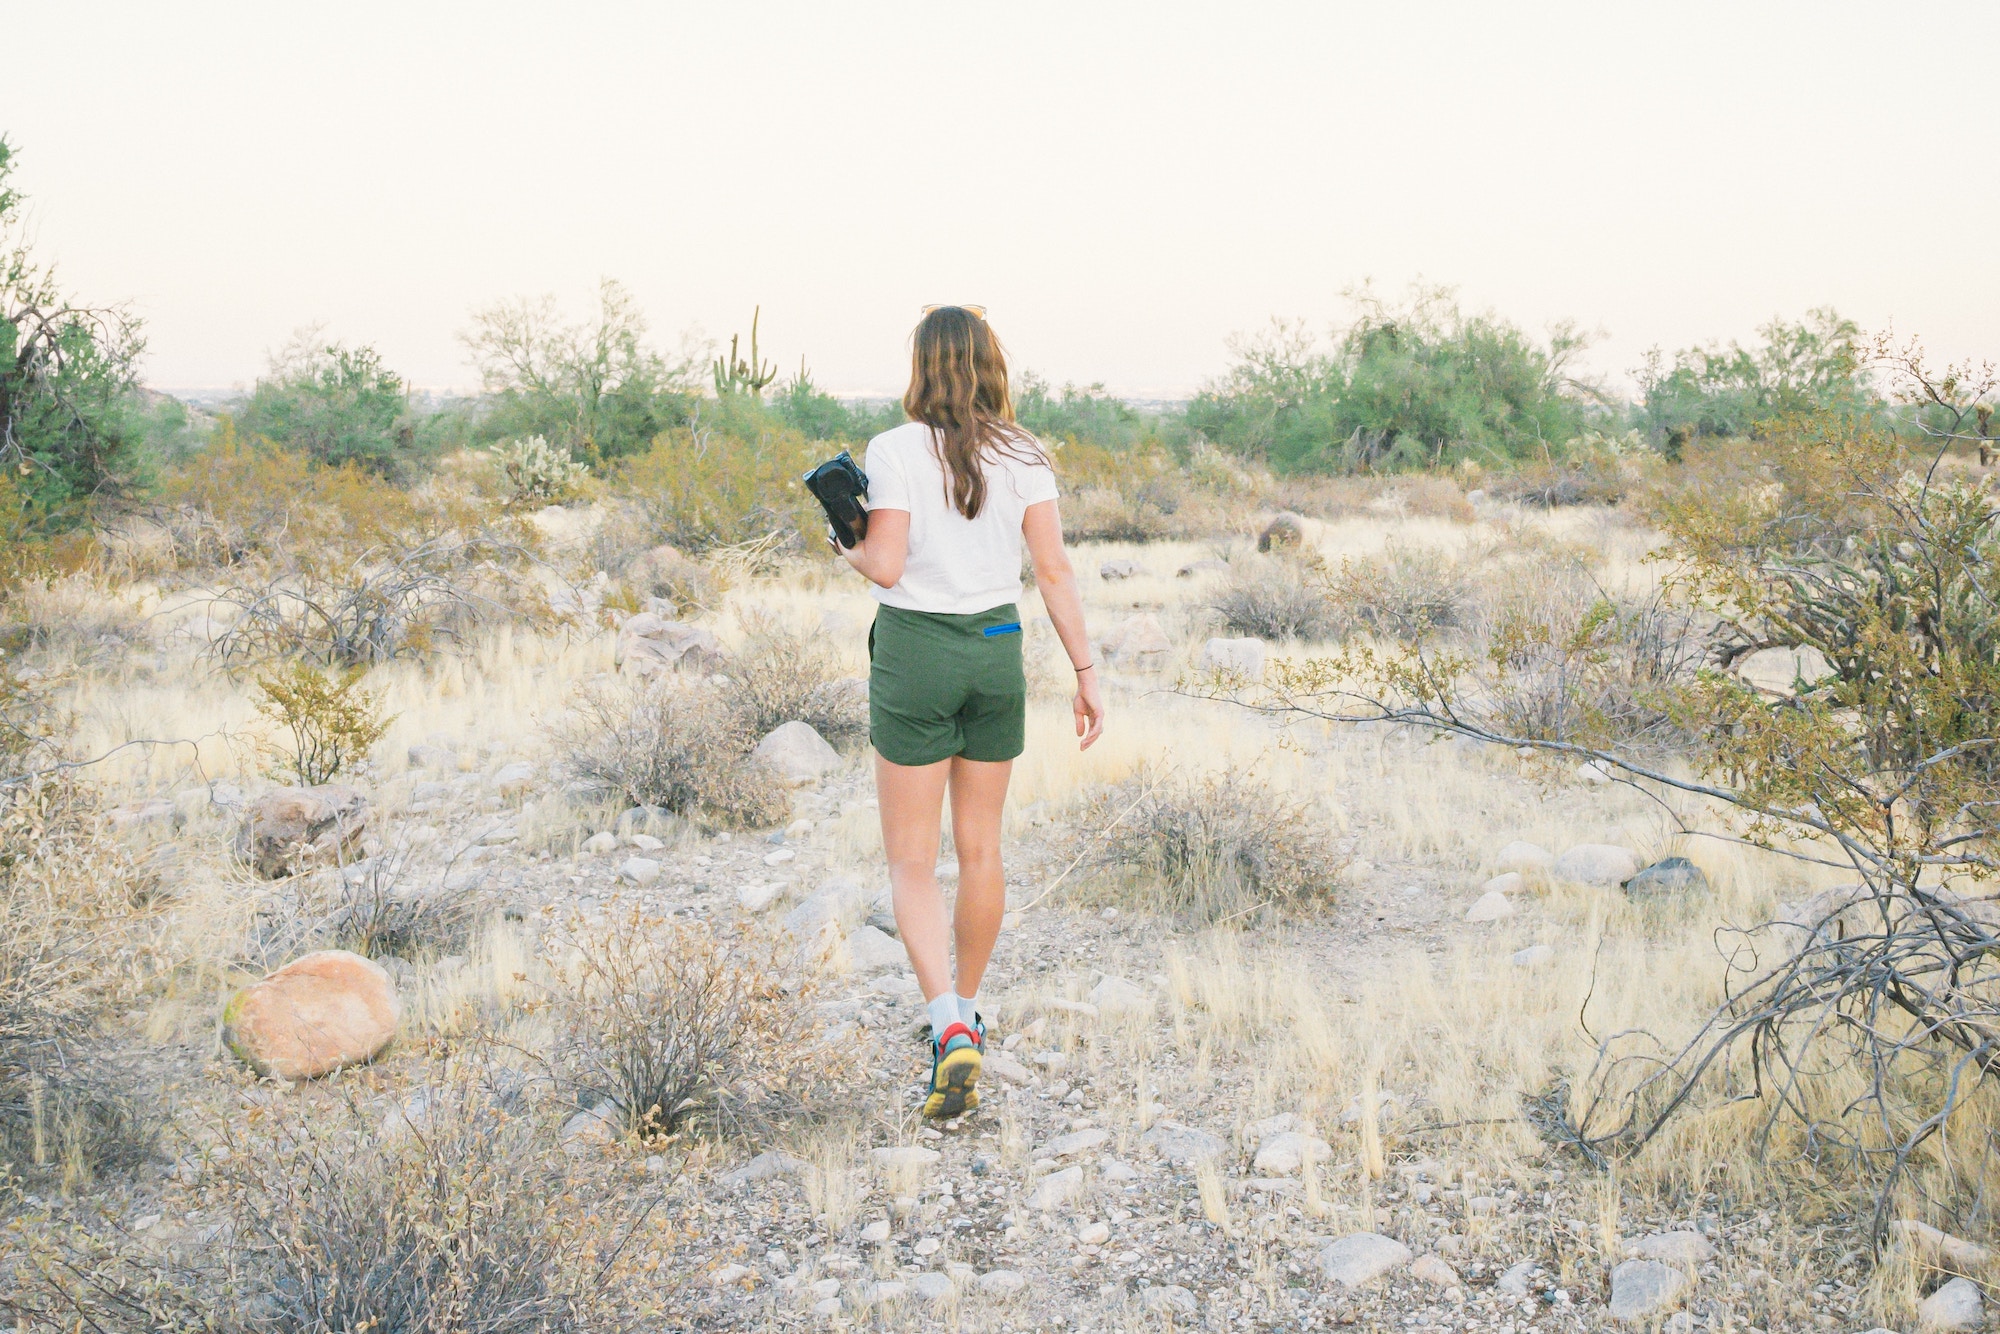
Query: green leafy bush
x,y
330,720
336,405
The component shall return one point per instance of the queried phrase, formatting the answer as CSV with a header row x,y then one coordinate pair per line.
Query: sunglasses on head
x,y
980,311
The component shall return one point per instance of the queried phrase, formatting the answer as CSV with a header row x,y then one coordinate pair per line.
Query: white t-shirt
x,y
957,565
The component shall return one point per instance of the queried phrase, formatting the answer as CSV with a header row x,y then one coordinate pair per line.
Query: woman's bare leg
x,y
911,798
978,794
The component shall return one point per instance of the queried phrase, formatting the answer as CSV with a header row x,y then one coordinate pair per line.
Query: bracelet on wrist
x,y
1081,670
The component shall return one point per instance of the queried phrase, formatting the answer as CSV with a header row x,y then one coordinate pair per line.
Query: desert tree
x,y
68,376
1863,1032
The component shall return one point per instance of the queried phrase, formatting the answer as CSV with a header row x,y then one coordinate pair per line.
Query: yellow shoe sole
x,y
952,1092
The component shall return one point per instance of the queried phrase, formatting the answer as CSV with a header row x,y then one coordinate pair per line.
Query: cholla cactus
x,y
537,471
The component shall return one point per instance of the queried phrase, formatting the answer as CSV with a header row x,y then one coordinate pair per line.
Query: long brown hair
x,y
958,388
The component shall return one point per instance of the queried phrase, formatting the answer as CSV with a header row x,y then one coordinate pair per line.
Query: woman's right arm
x,y
1041,526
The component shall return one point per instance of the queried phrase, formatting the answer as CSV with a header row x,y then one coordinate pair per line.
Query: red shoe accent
x,y
961,1027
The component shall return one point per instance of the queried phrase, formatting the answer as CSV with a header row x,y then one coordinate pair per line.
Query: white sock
x,y
944,1013
968,1011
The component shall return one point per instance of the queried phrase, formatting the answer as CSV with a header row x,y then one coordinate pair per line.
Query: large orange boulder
x,y
299,828
318,1013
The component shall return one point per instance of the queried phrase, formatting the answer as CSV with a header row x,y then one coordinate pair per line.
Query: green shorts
x,y
942,685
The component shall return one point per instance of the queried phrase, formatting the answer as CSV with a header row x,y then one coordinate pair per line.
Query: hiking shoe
x,y
955,1056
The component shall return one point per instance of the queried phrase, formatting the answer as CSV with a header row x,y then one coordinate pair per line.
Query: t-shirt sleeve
x,y
888,479
1038,483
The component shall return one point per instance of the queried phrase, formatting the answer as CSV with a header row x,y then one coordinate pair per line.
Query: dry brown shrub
x,y
670,743
1276,598
676,1027
1405,593
785,675
460,1217
1210,847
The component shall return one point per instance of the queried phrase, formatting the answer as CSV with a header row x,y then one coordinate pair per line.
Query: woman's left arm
x,y
882,554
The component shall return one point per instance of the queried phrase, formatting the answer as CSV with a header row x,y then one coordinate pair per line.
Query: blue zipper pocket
x,y
1011,628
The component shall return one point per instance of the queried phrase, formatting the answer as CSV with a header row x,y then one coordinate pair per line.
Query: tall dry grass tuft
x,y
668,743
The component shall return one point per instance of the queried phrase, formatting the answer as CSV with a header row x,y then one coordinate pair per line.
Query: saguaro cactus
x,y
733,375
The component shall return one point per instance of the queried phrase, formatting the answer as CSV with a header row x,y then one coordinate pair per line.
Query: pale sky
x,y
1124,186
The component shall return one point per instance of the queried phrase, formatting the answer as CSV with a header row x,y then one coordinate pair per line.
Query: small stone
x,y
1284,1122
1515,1279
1057,1189
1673,1248
1094,1234
601,842
1526,859
1076,1142
1110,1169
905,1156
1235,657
1490,908
1435,1271
1602,864
826,1287
1940,1249
780,857
1006,1067
762,1168
1169,1299
1594,772
1183,1145
145,1222
928,1246
1645,1290
1285,1153
729,1274
1116,995
511,780
1362,1257
297,829
1507,882
1118,569
876,1232
756,898
798,828
1534,956
797,753
644,842
1001,1285
639,870
828,1309
598,1125
1956,1305
889,1292
1668,878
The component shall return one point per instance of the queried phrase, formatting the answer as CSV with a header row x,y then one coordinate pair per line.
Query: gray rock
x,y
1118,569
1515,1279
1645,1289
1056,1189
1490,907
1077,1141
1670,877
1000,1064
645,820
601,842
837,900
1284,1153
1672,1248
433,757
1169,1299
1534,956
649,644
756,898
797,753
1362,1257
932,1289
1183,1145
1138,644
599,1125
1524,859
296,829
762,1168
905,1156
1115,995
1956,1305
1435,1270
1235,657
511,780
870,951
1940,1249
639,870
1001,1285
1603,864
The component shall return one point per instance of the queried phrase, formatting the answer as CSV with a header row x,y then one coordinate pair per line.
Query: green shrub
x,y
336,405
536,472
1400,388
330,721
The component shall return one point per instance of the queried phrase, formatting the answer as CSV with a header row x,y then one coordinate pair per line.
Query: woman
x,y
952,495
